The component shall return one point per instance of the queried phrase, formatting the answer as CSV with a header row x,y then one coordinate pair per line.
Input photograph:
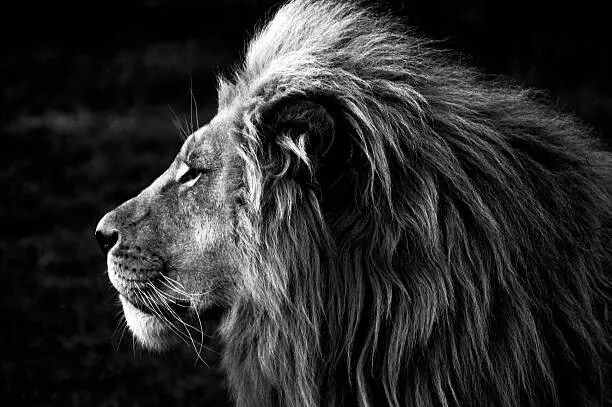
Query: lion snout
x,y
119,224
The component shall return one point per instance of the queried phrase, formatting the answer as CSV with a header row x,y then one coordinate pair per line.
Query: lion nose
x,y
106,235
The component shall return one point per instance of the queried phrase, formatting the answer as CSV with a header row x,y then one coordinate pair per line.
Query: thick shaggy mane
x,y
417,235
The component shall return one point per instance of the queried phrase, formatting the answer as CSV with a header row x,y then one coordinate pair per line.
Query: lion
x,y
377,225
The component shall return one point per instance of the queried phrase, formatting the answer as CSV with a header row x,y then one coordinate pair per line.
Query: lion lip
x,y
138,287
139,294
127,276
133,271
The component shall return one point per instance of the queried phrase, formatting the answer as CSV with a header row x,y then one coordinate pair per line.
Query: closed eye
x,y
188,176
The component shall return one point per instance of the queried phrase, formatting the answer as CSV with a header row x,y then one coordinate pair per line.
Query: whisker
x,y
201,330
118,325
175,300
179,288
183,334
193,101
172,280
190,106
119,330
183,134
155,309
125,326
179,291
187,125
174,288
193,342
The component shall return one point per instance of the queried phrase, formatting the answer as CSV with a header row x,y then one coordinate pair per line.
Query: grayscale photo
x,y
306,203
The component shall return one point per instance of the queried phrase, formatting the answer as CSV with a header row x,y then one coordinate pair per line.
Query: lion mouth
x,y
158,309
145,291
146,297
150,330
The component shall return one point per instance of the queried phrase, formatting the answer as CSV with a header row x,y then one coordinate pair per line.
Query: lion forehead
x,y
209,146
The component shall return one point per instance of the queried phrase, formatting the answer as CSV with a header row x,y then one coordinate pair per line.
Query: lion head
x,y
378,226
172,250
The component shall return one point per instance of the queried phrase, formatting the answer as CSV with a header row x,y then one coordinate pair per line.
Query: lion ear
x,y
303,128
306,123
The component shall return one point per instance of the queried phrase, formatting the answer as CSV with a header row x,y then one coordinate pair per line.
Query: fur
x,y
417,235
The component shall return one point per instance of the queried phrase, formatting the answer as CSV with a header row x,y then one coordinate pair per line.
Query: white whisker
x,y
186,326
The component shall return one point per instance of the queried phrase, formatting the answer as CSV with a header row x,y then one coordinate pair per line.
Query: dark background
x,y
85,124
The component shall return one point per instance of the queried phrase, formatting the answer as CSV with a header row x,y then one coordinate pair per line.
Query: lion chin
x,y
149,330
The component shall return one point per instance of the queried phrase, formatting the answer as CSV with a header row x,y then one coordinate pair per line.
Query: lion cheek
x,y
150,332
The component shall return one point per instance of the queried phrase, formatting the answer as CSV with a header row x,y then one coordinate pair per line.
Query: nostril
x,y
107,239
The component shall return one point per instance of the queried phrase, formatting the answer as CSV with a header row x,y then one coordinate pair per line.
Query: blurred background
x,y
87,90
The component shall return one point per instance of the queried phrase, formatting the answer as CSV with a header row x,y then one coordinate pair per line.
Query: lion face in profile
x,y
379,226
171,250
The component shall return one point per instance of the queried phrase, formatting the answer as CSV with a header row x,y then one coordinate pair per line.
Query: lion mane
x,y
417,234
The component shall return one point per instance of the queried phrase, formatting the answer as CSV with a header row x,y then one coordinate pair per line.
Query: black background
x,y
85,123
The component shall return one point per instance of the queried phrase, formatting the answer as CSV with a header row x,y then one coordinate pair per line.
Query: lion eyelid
x,y
182,169
192,181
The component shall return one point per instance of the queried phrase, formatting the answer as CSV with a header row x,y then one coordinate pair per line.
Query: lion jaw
x,y
149,330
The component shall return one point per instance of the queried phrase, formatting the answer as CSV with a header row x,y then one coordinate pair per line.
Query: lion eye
x,y
187,176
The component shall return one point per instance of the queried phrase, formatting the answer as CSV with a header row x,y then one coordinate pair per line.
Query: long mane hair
x,y
416,234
